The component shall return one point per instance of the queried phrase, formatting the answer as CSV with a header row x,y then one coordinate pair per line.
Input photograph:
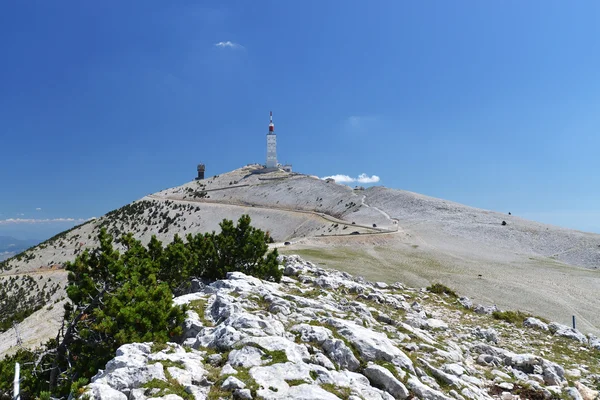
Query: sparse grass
x,y
389,366
261,303
276,356
199,306
567,352
156,347
295,382
171,386
217,393
341,392
168,363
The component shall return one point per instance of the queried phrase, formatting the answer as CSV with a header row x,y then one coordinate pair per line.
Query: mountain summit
x,y
380,233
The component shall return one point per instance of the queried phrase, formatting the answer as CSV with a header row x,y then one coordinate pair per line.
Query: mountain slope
x,y
383,234
328,335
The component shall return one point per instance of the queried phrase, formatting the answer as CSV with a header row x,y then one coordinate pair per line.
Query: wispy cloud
x,y
11,221
38,209
229,44
362,178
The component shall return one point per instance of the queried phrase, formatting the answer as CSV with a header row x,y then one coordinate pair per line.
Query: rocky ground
x,y
324,334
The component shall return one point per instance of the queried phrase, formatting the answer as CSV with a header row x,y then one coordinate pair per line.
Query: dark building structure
x,y
200,172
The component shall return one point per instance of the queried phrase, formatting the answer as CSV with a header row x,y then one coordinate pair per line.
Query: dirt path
x,y
327,217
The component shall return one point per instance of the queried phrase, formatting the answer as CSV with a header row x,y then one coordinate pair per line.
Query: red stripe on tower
x,y
271,125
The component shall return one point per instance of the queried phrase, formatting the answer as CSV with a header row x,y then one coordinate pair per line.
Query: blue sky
x,y
491,104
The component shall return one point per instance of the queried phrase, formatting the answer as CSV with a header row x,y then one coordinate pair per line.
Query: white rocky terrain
x,y
383,234
324,334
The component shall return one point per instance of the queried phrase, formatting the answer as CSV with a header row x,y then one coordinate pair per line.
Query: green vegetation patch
x,y
276,356
199,306
168,363
341,392
438,288
217,393
171,386
295,382
512,317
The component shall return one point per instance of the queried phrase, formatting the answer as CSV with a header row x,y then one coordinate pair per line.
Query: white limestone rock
x,y
242,394
383,379
566,331
341,354
255,325
489,334
370,344
228,370
500,374
585,392
433,324
232,383
129,376
465,302
322,360
454,369
535,323
192,325
246,357
594,342
310,333
480,309
103,391
221,337
425,392
573,393
273,378
294,352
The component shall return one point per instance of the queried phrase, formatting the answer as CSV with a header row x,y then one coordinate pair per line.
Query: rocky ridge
x,y
324,334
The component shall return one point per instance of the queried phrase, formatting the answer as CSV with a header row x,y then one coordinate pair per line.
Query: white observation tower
x,y
271,145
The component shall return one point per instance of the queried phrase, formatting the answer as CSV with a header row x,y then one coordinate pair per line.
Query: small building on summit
x,y
200,170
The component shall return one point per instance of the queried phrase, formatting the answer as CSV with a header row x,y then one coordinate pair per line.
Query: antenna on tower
x,y
271,125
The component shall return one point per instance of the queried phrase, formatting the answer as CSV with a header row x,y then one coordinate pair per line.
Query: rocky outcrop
x,y
327,335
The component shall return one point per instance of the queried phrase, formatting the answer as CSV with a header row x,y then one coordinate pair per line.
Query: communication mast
x,y
271,144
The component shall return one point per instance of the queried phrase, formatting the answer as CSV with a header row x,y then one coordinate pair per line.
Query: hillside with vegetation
x,y
383,234
304,333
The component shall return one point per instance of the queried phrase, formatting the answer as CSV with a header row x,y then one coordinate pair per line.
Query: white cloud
x,y
38,209
340,178
229,44
362,178
39,221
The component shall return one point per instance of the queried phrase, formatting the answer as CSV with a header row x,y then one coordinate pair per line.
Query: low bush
x,y
513,317
438,288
